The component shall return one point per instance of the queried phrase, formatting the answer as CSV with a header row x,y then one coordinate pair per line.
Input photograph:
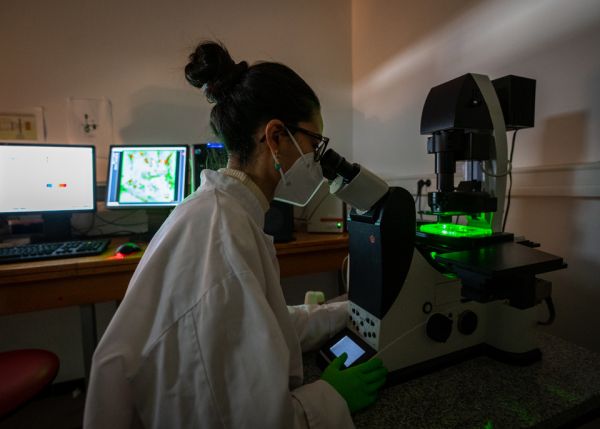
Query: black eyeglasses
x,y
321,146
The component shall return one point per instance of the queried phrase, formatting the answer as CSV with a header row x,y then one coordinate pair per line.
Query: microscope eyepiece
x,y
333,165
351,183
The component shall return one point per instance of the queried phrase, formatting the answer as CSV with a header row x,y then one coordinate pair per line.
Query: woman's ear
x,y
274,130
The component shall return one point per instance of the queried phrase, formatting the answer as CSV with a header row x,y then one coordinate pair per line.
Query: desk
x,y
483,393
57,283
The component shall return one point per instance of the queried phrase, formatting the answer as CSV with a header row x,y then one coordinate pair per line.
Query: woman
x,y
203,337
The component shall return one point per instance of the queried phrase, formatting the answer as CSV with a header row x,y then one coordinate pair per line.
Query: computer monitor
x,y
46,178
209,155
52,180
146,176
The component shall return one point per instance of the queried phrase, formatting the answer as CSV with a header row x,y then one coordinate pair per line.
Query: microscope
x,y
424,295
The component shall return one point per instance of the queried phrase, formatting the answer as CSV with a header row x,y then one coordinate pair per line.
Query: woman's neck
x,y
258,173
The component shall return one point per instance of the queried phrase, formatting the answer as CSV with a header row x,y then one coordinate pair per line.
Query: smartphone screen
x,y
353,350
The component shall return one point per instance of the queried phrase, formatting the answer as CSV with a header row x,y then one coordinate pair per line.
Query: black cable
x,y
115,222
420,185
512,150
85,231
122,233
418,198
120,224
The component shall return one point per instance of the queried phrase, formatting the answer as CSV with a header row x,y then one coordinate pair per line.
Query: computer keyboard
x,y
64,249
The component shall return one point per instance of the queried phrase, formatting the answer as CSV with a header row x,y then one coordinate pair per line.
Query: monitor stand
x,y
57,227
156,217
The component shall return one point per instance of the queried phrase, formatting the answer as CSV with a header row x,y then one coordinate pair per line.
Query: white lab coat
x,y
203,337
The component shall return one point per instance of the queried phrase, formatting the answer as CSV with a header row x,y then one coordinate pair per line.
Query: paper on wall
x,y
90,121
25,125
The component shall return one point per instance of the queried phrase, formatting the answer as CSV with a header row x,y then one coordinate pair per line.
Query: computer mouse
x,y
128,248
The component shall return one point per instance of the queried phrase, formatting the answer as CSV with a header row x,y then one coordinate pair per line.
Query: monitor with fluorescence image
x,y
47,179
209,155
146,176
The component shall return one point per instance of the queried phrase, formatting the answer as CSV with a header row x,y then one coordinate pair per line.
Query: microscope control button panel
x,y
364,324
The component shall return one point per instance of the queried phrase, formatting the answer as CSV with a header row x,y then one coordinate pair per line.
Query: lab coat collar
x,y
236,188
247,181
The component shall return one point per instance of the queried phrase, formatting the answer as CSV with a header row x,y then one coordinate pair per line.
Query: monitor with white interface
x,y
146,176
50,180
46,179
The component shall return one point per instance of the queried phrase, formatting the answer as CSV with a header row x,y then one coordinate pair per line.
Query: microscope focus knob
x,y
439,327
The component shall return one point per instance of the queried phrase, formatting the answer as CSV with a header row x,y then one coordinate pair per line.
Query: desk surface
x,y
54,283
483,393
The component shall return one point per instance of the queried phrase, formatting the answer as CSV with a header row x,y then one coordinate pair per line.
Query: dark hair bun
x,y
212,69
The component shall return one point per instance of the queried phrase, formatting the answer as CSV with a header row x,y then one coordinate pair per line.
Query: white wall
x,y
134,54
552,41
401,49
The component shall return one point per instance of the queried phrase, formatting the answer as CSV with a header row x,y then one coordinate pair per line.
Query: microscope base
x,y
481,350
326,355
430,325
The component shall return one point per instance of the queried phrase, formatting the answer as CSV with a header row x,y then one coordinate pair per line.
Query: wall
x,y
133,53
135,56
402,49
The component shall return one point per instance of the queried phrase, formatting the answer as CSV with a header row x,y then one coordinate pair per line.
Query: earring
x,y
277,164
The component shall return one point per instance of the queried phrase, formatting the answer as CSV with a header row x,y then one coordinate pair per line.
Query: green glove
x,y
359,384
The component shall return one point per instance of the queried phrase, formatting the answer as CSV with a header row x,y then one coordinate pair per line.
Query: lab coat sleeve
x,y
109,397
318,396
233,366
314,324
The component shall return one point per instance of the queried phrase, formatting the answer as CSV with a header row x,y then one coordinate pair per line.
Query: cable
x,y
414,328
551,311
121,233
420,185
115,221
509,164
399,337
98,229
510,159
84,232
344,272
506,173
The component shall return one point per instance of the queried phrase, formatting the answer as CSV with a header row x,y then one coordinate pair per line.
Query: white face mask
x,y
298,185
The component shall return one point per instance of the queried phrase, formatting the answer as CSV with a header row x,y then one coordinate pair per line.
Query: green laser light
x,y
454,230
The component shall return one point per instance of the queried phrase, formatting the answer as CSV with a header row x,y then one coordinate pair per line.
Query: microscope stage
x,y
503,260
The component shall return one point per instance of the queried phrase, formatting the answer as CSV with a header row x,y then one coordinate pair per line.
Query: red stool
x,y
23,374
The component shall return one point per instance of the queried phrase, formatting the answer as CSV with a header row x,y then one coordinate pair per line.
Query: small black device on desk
x,y
62,249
